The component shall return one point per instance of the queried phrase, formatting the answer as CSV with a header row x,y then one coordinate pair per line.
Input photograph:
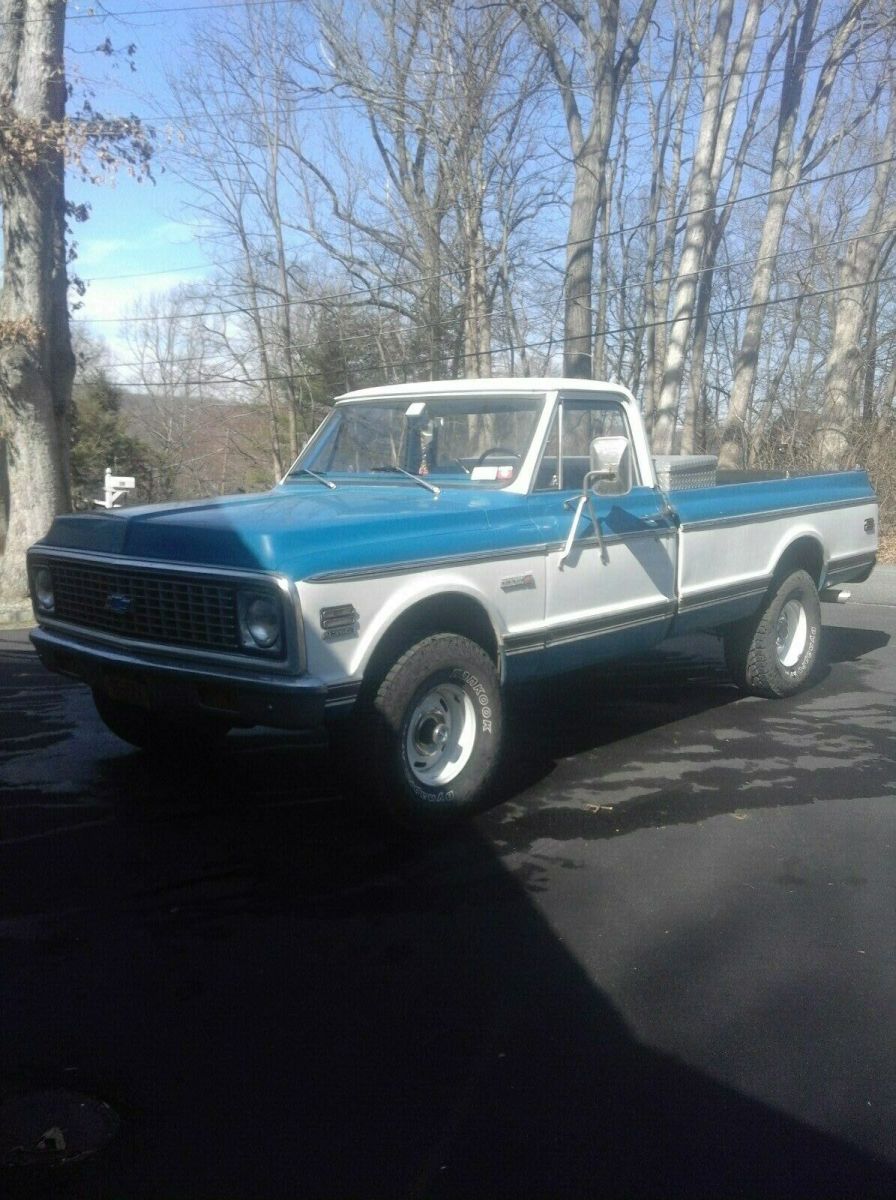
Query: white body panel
x,y
715,557
381,599
630,576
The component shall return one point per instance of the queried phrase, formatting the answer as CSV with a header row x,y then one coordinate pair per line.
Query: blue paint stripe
x,y
772,496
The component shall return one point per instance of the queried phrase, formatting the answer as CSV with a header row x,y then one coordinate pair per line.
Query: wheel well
x,y
805,554
451,612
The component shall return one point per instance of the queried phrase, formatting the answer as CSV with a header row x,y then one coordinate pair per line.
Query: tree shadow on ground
x,y
280,1001
411,1027
669,741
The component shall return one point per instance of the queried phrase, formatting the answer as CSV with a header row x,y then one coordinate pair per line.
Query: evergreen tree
x,y
99,440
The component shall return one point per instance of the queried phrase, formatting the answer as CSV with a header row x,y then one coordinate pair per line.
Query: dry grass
x,y
887,547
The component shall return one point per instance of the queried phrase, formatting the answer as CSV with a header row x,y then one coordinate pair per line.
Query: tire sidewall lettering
x,y
803,667
430,795
479,695
806,659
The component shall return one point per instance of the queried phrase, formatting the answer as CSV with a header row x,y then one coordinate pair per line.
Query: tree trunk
x,y
36,359
607,74
700,196
843,390
658,303
721,95
580,269
787,168
694,406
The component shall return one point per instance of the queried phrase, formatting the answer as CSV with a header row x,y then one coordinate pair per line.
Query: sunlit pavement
x,y
664,965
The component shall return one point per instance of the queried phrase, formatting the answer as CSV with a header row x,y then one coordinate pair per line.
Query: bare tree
x,y
567,33
36,360
718,219
429,233
666,117
721,94
172,408
790,159
856,304
237,111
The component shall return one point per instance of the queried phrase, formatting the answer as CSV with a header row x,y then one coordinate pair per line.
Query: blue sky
x,y
138,238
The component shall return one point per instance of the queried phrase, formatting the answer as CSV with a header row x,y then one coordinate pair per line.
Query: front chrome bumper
x,y
247,697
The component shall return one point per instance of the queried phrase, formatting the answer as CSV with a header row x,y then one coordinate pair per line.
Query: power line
x,y
401,365
405,284
199,117
105,14
151,274
629,287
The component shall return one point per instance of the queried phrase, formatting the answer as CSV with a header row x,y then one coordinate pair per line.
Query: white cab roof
x,y
509,385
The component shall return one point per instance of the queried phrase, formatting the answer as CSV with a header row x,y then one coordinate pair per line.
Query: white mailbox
x,y
115,487
120,483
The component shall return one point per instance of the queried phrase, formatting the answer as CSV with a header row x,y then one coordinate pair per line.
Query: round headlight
x,y
43,589
263,621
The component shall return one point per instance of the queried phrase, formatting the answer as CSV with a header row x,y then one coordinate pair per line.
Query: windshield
x,y
481,439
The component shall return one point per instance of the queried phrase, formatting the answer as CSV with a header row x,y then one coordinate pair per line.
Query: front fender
x,y
379,602
400,602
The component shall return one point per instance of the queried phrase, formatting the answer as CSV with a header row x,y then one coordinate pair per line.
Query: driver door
x,y
611,590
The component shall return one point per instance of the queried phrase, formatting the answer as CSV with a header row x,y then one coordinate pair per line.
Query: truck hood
x,y
300,528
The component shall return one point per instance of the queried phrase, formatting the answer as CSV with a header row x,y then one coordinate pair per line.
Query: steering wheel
x,y
497,450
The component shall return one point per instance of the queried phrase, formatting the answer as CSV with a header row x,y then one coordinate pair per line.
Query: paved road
x,y
665,966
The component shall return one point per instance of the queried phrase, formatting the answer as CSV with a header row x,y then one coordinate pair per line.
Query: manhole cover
x,y
53,1128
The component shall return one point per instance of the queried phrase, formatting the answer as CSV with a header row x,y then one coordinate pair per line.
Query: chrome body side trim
x,y
849,568
439,562
774,514
435,563
575,631
746,590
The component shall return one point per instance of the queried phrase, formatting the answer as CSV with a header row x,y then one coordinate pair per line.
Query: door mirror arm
x,y
581,503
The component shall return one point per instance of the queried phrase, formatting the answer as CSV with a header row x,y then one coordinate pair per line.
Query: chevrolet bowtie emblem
x,y
118,604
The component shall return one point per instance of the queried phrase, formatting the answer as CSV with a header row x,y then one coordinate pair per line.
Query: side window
x,y
567,454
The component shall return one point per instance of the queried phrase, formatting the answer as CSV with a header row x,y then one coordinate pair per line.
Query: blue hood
x,y
301,528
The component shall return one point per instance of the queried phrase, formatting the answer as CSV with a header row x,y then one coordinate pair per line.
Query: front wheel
x,y
430,739
774,652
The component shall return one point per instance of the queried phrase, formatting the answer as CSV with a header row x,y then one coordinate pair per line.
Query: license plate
x,y
127,690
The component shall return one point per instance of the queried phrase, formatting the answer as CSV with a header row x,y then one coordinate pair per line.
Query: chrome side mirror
x,y
610,475
611,467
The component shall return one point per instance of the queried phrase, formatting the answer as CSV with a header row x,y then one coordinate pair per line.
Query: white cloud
x,y
94,252
108,302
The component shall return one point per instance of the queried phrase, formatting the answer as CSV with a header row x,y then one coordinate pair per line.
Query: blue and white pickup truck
x,y
433,544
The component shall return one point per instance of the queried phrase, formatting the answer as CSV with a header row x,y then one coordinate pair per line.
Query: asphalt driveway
x,y
665,965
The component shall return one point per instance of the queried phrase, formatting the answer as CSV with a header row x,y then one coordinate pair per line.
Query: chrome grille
x,y
152,606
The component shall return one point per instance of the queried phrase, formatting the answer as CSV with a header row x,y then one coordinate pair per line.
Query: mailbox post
x,y
115,487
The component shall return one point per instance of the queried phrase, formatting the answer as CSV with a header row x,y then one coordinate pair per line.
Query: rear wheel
x,y
774,652
428,742
154,731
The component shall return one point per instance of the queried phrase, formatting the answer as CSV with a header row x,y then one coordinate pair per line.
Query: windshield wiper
x,y
314,475
424,483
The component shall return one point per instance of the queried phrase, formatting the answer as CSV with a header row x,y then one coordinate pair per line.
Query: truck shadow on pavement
x,y
415,1030
678,744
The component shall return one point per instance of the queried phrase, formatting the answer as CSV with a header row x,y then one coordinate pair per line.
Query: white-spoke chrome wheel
x,y
441,734
431,737
774,652
791,633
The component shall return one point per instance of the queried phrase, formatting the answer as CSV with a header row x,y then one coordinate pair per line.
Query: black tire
x,y
775,651
162,734
427,744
